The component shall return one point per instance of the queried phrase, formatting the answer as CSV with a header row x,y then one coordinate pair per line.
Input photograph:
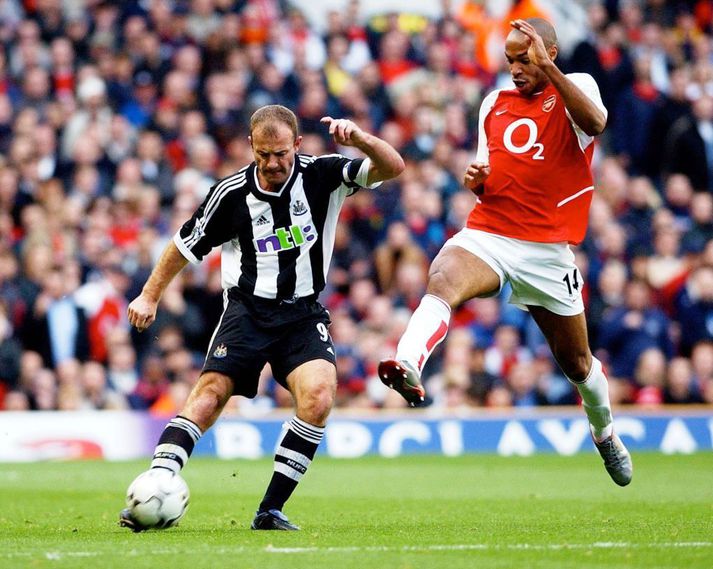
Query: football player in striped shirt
x,y
275,220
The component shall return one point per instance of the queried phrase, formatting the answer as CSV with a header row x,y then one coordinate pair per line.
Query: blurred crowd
x,y
117,117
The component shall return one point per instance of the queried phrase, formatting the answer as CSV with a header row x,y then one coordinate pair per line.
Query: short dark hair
x,y
265,117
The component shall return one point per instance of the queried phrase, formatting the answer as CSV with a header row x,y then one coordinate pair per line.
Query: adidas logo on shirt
x,y
262,220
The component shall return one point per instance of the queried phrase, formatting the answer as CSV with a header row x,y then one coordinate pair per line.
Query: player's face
x,y
527,76
274,148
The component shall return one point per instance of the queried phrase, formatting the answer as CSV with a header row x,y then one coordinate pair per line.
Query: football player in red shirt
x,y
534,185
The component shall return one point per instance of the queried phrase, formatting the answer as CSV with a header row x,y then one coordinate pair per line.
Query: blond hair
x,y
266,117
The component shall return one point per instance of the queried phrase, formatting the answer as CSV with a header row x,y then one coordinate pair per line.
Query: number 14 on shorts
x,y
573,282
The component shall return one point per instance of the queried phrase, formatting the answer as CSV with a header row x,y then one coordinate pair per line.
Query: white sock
x,y
426,329
595,399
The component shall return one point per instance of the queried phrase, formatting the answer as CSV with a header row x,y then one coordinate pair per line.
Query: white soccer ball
x,y
157,498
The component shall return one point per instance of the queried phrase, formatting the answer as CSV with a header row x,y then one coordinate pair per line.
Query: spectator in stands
x,y
678,195
642,201
505,352
350,261
36,94
701,229
695,309
114,122
397,248
649,378
42,391
607,295
665,264
522,381
552,387
681,387
480,380
57,327
93,118
410,284
152,383
452,395
10,353
121,367
16,401
96,392
689,145
634,118
673,106
702,364
361,294
628,331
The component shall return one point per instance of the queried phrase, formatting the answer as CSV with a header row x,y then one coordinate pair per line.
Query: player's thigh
x,y
544,274
238,349
304,361
458,274
301,342
313,385
567,338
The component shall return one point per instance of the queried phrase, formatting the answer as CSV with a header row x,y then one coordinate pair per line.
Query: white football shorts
x,y
540,274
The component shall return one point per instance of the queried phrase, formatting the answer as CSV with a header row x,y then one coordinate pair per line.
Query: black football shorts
x,y
253,332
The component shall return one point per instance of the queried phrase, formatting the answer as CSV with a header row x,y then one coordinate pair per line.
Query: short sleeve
x,y
211,224
482,153
589,87
337,171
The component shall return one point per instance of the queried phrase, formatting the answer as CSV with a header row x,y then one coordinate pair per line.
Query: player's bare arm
x,y
583,111
142,310
386,162
475,177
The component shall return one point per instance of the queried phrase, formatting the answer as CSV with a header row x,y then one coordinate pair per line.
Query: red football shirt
x,y
540,185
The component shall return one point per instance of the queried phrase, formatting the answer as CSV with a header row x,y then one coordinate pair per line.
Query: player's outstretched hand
x,y
475,175
142,312
344,131
537,53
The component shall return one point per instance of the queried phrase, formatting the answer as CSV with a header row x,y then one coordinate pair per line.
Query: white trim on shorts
x,y
540,274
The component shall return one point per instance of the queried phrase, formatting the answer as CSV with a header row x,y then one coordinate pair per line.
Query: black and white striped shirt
x,y
275,245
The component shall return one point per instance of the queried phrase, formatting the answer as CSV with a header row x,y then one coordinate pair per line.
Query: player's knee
x,y
440,285
317,401
576,364
207,400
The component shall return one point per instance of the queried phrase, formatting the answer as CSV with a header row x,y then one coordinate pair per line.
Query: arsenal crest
x,y
549,103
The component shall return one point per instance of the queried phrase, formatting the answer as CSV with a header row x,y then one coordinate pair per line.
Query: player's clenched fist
x,y
142,312
475,175
344,131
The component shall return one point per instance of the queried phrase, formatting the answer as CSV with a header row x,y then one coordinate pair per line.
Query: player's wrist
x,y
151,295
477,189
363,141
549,67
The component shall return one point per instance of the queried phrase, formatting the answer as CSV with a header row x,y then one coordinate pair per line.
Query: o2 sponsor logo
x,y
531,142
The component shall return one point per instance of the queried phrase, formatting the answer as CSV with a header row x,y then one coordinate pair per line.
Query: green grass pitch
x,y
415,512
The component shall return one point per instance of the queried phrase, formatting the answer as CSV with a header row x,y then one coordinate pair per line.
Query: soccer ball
x,y
157,498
